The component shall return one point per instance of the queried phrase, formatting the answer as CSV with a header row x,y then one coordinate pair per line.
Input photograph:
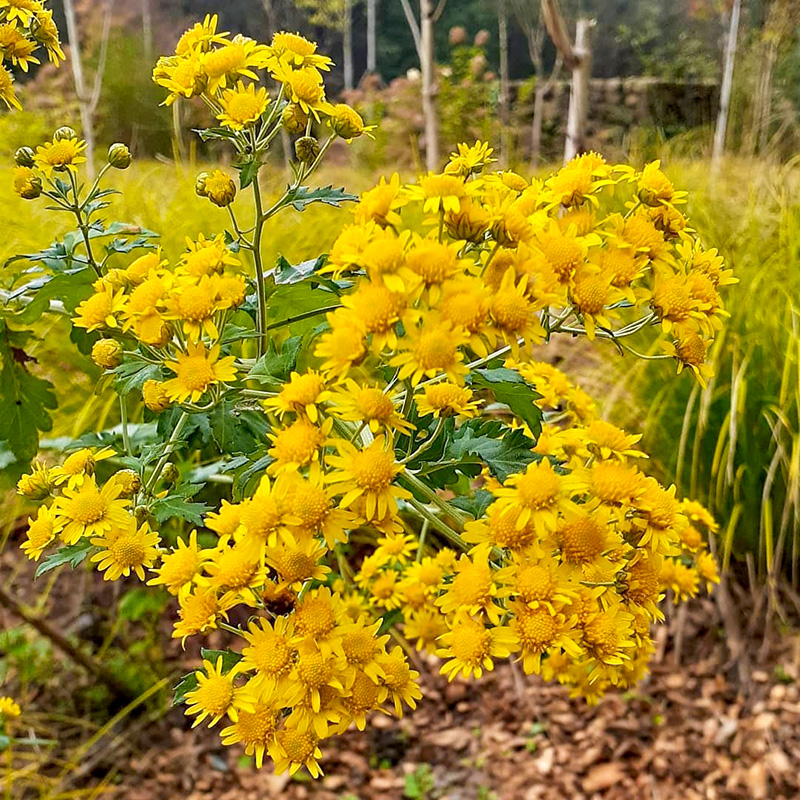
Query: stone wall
x,y
622,112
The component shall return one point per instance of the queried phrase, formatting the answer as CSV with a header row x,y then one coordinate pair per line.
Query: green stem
x,y
440,526
84,227
427,444
123,411
168,449
261,287
299,317
422,536
433,498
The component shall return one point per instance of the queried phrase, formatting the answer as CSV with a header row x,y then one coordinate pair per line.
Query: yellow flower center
x,y
363,694
235,569
581,540
672,300
615,483
590,294
97,308
511,310
145,296
465,309
536,629
621,264
472,586
430,574
228,59
179,567
298,443
691,349
447,396
196,372
373,468
314,670
373,404
397,673
198,610
61,153
311,504
87,506
432,261
294,565
358,646
504,532
306,87
203,261
299,746
303,391
442,186
256,727
315,617
643,584
270,653
563,253
128,550
470,643
661,507
535,582
538,488
377,307
602,635
435,349
195,303
642,234
215,695
243,107
384,586
40,532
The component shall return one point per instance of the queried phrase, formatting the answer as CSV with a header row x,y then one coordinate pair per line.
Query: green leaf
x,y
176,506
188,683
504,456
286,273
475,504
137,604
131,375
243,478
70,287
24,399
72,554
275,367
303,196
235,430
248,171
511,389
211,134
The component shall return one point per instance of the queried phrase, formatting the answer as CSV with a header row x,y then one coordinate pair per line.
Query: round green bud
x,y
64,133
306,149
24,157
119,156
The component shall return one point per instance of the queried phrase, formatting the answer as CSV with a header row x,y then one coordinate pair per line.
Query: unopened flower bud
x,y
306,149
119,156
64,133
107,353
200,184
294,119
346,121
128,481
27,184
170,474
37,485
24,157
218,187
154,396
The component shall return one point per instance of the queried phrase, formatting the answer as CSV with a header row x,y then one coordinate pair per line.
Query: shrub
x,y
361,447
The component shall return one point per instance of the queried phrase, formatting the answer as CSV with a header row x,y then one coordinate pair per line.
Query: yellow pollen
x,y
196,373
87,506
581,540
435,350
470,642
128,550
215,695
195,303
536,629
510,309
373,469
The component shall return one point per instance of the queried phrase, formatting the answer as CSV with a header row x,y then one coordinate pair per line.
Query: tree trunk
x,y
725,88
765,106
84,101
147,30
372,52
347,45
579,93
505,129
428,69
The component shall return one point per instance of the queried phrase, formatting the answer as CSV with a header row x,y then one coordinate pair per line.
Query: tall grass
x,y
736,444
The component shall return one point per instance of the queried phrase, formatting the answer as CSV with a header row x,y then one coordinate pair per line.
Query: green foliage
x,y
188,682
73,554
420,784
511,389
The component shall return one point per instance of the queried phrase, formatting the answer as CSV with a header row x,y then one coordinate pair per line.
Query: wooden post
x,y
505,126
347,45
579,92
725,88
372,56
428,69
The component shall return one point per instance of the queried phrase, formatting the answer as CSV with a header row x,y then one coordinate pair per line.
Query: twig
x,y
61,642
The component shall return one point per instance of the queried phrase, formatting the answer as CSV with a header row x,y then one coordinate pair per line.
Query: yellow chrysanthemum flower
x,y
89,511
242,106
196,371
126,549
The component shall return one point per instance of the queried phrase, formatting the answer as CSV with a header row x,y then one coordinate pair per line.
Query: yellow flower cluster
x,y
224,71
86,515
25,27
489,510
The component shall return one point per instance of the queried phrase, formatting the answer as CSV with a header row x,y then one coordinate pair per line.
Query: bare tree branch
x,y
101,64
557,29
414,25
439,10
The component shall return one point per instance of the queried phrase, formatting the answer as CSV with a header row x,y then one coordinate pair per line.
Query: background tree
x,y
726,85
